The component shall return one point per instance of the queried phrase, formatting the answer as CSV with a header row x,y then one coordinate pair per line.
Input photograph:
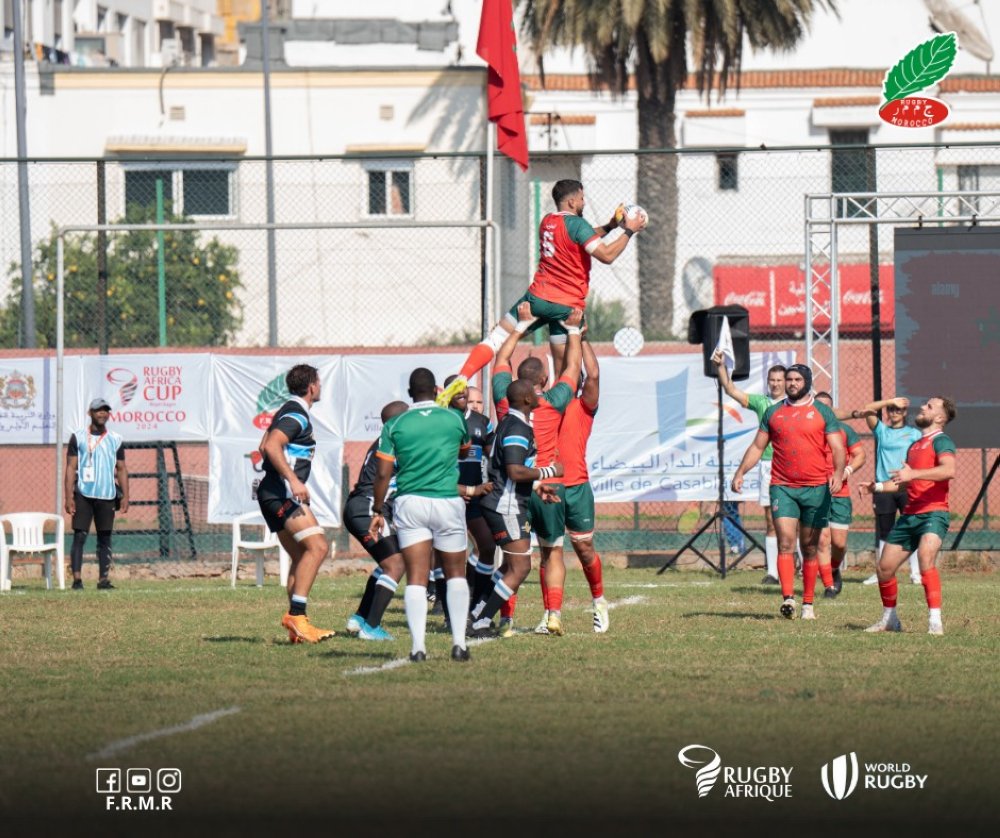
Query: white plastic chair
x,y
28,536
268,541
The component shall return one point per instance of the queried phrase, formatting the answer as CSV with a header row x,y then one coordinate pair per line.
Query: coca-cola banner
x,y
235,468
152,397
775,295
248,390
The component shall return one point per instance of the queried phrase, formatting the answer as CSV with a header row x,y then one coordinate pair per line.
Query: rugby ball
x,y
631,211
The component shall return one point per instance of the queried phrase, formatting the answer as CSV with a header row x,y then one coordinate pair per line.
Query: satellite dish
x,y
946,18
697,283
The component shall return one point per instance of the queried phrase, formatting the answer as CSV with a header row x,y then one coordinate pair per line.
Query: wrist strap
x,y
522,325
848,471
572,330
628,232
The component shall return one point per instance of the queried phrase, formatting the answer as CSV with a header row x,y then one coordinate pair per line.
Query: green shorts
x,y
548,314
841,512
909,529
548,520
808,504
579,503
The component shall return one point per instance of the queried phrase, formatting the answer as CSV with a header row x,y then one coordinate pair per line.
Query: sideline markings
x,y
192,724
398,663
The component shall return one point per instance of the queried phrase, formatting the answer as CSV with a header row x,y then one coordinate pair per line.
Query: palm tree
x,y
650,39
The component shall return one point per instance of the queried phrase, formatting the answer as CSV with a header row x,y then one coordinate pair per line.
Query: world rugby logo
x,y
840,776
708,767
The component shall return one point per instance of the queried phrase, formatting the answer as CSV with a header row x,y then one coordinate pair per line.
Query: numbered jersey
x,y
472,466
565,242
513,444
365,487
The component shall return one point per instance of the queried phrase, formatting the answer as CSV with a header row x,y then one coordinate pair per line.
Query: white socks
x,y
457,594
771,555
415,598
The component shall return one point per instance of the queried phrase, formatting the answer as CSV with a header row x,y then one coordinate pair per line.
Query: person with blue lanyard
x,y
95,471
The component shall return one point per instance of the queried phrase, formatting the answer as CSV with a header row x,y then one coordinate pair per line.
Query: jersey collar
x,y
805,403
512,412
425,403
300,401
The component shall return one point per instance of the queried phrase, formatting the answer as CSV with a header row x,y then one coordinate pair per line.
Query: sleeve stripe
x,y
592,243
383,456
298,417
516,440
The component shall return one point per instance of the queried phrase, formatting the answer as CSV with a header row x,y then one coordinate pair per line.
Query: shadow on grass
x,y
232,638
365,653
770,590
733,615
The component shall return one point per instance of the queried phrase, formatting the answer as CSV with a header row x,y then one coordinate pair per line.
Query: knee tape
x,y
515,553
581,536
302,535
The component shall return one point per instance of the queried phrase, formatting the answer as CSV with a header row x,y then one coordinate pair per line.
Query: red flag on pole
x,y
497,46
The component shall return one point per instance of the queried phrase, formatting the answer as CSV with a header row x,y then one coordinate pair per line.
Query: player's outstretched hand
x,y
575,317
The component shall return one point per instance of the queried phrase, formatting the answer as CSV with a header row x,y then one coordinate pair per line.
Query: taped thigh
x,y
302,535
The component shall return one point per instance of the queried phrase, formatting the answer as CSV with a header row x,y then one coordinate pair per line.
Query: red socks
x,y
810,569
932,587
889,591
786,573
481,355
595,577
826,574
507,608
555,599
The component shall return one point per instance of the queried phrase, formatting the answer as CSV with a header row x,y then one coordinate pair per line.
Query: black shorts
x,y
507,528
357,520
473,510
887,506
98,511
277,510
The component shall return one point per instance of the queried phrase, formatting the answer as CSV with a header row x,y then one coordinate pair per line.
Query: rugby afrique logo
x,y
766,782
921,67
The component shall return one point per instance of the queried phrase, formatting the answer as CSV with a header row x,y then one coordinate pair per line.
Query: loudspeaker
x,y
705,326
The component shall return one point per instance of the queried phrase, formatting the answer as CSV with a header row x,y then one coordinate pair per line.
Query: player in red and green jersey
x,y
577,424
833,541
799,429
567,244
548,517
929,466
759,404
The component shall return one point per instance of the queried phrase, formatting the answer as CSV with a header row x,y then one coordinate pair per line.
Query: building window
x,y
390,190
851,169
968,181
728,171
195,191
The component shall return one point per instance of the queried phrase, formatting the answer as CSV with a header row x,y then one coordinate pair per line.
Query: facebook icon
x,y
109,781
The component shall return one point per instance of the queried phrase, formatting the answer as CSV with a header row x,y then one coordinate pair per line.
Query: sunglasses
x,y
896,409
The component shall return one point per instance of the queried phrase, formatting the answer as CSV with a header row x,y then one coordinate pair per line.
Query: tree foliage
x,y
202,283
647,41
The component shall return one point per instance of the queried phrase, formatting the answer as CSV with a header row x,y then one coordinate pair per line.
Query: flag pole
x,y
489,262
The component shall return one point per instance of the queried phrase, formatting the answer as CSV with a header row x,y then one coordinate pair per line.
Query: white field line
x,y
193,724
398,663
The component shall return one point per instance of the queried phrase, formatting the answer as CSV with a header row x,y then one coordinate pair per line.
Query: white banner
x,y
27,401
248,390
372,381
234,465
656,433
153,397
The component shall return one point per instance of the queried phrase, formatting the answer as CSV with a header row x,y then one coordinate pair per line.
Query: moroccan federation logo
x,y
922,67
706,761
840,776
17,391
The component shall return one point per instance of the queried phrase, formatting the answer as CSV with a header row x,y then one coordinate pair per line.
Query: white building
x,y
405,80
122,33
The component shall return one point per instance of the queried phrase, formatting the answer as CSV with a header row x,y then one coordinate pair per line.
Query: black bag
x,y
119,494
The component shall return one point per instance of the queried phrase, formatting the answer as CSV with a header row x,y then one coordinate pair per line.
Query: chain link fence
x,y
738,237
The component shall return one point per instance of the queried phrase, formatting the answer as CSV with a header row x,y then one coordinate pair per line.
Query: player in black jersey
x,y
288,448
505,508
471,483
382,583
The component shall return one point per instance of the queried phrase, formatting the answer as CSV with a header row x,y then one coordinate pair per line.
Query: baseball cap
x,y
97,404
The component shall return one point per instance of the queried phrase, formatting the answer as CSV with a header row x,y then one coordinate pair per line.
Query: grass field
x,y
536,735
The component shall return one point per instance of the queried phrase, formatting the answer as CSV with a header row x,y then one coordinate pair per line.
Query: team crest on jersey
x,y
17,391
810,414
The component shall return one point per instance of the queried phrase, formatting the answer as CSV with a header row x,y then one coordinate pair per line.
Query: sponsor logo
x,y
764,782
923,66
840,776
843,775
140,790
270,400
17,391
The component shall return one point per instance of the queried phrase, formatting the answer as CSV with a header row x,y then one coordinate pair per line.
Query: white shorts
x,y
764,499
441,520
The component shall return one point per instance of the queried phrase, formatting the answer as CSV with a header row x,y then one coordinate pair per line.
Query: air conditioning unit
x,y
170,51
